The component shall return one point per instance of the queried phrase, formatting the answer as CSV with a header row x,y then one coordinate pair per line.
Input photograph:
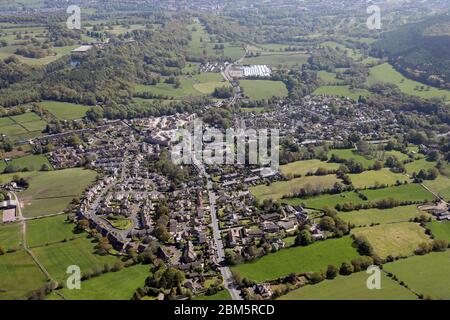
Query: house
x,y
189,253
287,226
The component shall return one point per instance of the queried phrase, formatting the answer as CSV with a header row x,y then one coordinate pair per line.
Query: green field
x,y
304,167
221,295
10,236
369,216
396,239
263,89
51,192
352,287
284,59
341,91
65,110
440,229
441,186
280,188
31,162
352,154
386,73
417,165
372,178
58,256
110,286
314,257
19,276
326,200
48,230
408,192
329,78
428,275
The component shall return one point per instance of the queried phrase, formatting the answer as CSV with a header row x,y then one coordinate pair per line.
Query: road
x,y
227,276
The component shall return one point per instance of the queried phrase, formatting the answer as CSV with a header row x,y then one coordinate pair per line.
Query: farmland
x,y
277,189
369,216
351,154
314,257
440,229
441,186
307,166
396,239
380,177
352,287
48,230
263,89
65,110
31,163
118,285
10,236
428,275
285,59
341,91
21,127
408,192
322,201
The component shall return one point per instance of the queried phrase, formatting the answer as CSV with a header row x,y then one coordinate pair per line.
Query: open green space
x,y
377,177
440,229
307,166
396,239
386,73
314,257
428,275
280,188
263,89
352,287
31,162
65,110
19,276
341,91
284,59
326,200
352,154
407,192
420,164
49,230
440,186
111,286
58,256
369,216
10,236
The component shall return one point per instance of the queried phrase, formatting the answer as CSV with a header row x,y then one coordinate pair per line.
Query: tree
x,y
45,167
304,238
332,272
327,223
346,269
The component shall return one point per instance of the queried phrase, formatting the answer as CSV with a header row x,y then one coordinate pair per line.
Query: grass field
x,y
441,186
366,217
440,229
58,256
372,178
19,276
303,167
352,154
10,236
314,257
386,73
277,189
51,192
417,165
111,286
351,287
65,110
31,162
320,202
221,295
284,59
396,239
263,89
408,192
48,230
428,275
329,78
341,91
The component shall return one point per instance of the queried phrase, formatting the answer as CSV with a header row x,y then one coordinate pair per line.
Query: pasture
x,y
440,229
283,59
326,200
341,91
118,285
352,154
407,192
396,239
369,216
352,287
10,236
428,275
314,257
31,162
307,166
278,189
263,89
19,276
441,186
420,164
65,110
49,230
379,177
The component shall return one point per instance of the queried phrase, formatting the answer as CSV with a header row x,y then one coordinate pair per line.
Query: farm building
x,y
257,71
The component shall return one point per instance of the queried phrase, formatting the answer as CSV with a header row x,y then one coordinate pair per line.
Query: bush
x,y
346,269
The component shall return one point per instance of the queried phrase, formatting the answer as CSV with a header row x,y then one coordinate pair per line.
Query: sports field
x,y
428,275
377,177
19,276
304,167
277,189
263,89
314,257
440,229
111,286
396,239
369,216
352,287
